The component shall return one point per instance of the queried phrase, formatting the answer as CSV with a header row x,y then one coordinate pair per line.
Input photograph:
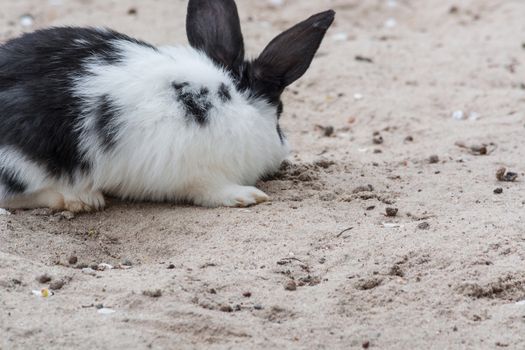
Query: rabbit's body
x,y
91,111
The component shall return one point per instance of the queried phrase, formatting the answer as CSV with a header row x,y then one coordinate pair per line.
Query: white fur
x,y
159,155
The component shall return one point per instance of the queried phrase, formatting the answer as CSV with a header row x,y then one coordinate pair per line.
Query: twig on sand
x,y
344,231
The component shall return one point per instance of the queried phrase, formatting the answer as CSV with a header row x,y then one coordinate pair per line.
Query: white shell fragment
x,y
4,212
391,225
390,23
27,20
358,96
341,36
43,293
521,303
106,311
104,267
458,115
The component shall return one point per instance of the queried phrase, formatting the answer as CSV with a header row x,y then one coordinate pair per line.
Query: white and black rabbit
x,y
86,112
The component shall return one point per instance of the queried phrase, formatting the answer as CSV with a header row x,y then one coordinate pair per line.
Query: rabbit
x,y
89,112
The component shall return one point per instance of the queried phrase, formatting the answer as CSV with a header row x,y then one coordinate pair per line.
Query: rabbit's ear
x,y
290,54
213,26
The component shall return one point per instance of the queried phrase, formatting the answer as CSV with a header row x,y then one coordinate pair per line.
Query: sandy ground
x,y
450,276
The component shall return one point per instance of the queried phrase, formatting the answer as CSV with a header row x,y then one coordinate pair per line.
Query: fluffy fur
x,y
90,111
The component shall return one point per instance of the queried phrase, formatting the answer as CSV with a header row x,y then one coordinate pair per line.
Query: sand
x,y
448,272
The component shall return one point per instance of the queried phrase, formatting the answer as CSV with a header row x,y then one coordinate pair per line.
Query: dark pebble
x,y
72,260
434,159
152,293
328,131
360,58
391,212
366,344
290,285
423,226
171,267
247,294
498,190
57,285
226,308
45,278
378,140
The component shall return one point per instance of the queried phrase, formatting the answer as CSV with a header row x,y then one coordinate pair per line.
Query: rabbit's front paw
x,y
241,196
84,202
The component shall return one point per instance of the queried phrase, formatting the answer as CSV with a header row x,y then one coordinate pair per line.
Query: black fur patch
x,y
11,183
280,109
196,103
224,93
38,111
106,124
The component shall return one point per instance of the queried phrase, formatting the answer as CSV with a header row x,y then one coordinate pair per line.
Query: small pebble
x,y
423,226
57,285
498,190
504,176
328,131
127,263
171,267
152,293
257,307
434,159
106,311
290,285
72,260
391,212
366,344
364,59
481,150
226,308
453,10
45,278
378,140
247,294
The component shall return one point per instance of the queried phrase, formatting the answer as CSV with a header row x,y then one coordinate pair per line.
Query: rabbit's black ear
x,y
213,26
290,54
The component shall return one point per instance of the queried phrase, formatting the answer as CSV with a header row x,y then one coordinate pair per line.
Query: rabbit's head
x,y
213,27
